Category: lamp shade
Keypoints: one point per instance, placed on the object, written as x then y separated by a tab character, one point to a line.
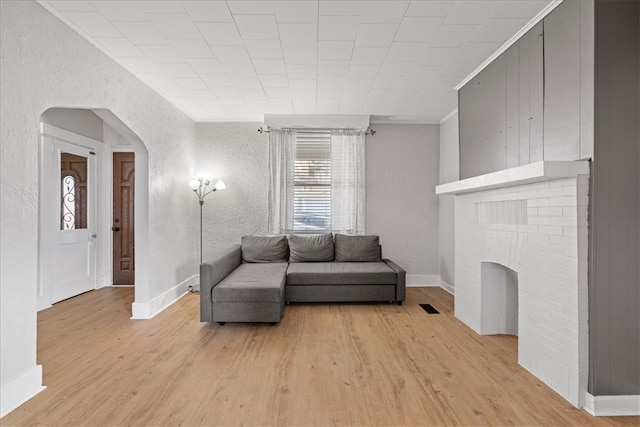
220	185
194	184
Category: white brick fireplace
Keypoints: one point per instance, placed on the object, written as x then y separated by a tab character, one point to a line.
521	265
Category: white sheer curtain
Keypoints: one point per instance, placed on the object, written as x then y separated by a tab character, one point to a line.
347	182
282	158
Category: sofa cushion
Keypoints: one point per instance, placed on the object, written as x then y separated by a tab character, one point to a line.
340	273
252	283
313	248
357	248
264	248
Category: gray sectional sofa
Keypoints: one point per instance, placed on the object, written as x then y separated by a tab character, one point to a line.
253	281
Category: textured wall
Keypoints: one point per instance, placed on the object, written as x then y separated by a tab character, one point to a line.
45	64
449	172
82	122
237	154
401	173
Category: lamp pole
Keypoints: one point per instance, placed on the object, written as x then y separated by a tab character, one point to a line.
199	186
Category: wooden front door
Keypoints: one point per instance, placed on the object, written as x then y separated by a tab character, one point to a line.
123	225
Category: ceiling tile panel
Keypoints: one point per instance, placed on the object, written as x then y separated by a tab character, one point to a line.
429	8
158	79
191	84
303	84
161	54
277	92
302	71
73	6
208	11
333	68
178	71
300	54
174	26
232	54
274	81
118	10
206	66
358	84
331	82
342	7
452	35
436	55
141	32
337	27
270	66
363	71
395	68
418	29
264	49
94	24
160	6
335	50
257	7
351	95
192	48
121	47
216	80
298	34
469	12
241	71
257	27
368	55
248	84
376	35
475	52
219	33
296	11
143	65
378	12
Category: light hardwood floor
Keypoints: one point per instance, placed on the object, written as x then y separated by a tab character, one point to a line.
334	364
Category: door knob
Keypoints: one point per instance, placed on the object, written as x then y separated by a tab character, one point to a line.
115	228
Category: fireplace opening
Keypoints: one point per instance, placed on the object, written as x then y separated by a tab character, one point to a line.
499	299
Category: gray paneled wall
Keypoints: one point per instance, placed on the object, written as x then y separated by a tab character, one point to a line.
614	279
527	105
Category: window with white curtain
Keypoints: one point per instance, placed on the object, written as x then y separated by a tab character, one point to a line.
317	181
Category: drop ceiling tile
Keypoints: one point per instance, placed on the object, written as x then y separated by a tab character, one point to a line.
257	27
120	47
220	33
161	54
304	96
303	84
386	83
216	80
160	6
418	29
118	10
192	48
258	7
224	92
368	55
208	11
351	107
341	7
72	6
328	103
376	35
331	82
458	69
424	72
378	12
298	34
274	81
264	49
519	9
302	71
330	93
241	71
358	84
191	84
297	12
270	66
395	68
406	51
94	24
351	95
498	30
469	12
231	54
174	26
300	54
453	35
437	55
475	52
157	79
142	65
277	92
141	32
333	68
206	66
248	84
335	50
383	94
429	8
177	71
363	71
337	27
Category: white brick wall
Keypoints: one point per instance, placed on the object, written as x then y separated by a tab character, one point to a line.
549	253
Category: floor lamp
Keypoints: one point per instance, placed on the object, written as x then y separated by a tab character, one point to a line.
199	186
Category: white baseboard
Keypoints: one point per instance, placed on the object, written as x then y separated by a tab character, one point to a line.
609	406
422	280
147	310
447	287
20	390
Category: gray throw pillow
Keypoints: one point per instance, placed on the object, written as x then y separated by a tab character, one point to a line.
357	248
314	248
264	248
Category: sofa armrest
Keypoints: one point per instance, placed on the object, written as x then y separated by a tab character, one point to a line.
211	274
402	280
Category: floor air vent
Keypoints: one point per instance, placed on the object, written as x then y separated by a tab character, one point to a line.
429	309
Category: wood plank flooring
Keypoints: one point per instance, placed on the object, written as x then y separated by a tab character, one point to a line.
333	364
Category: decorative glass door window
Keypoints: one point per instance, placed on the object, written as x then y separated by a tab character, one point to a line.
68	203
73	203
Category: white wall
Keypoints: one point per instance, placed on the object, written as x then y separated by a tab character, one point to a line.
401	174
449	172
82	122
237	154
45	64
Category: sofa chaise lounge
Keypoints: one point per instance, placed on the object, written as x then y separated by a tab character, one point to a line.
253	280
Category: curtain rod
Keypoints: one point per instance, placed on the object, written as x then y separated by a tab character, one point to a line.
318	130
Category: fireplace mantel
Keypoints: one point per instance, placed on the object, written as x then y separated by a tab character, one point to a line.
533	172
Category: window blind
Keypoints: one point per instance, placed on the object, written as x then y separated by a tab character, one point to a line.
312	182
